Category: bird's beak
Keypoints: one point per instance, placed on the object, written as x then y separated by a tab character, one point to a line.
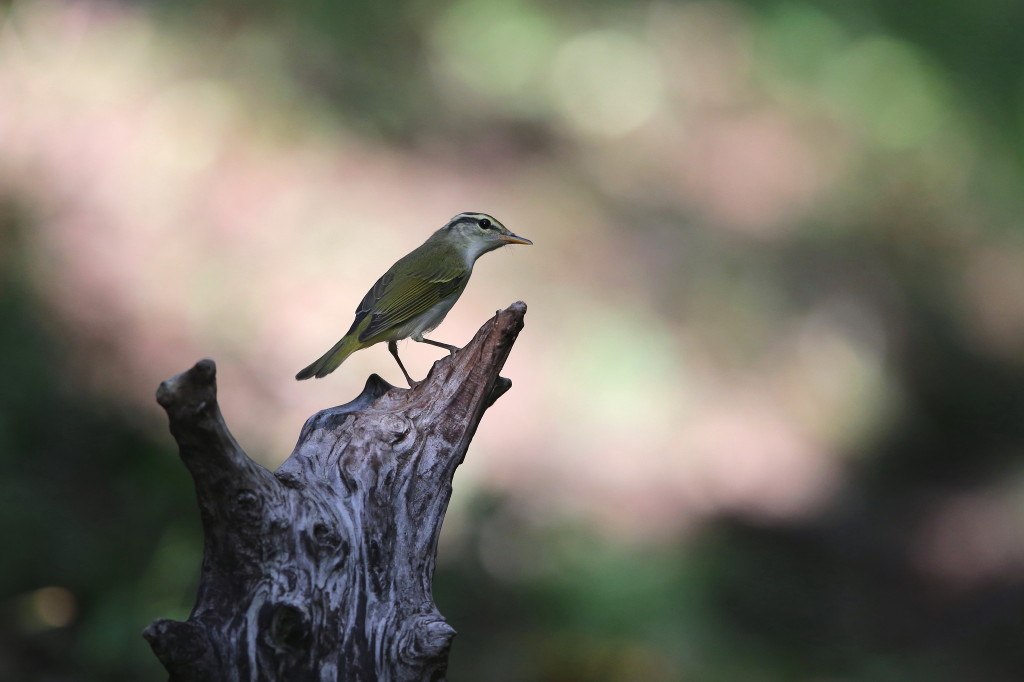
514	239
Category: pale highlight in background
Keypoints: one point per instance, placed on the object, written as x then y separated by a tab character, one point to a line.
182	213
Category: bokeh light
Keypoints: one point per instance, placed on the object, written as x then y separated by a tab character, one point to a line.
765	421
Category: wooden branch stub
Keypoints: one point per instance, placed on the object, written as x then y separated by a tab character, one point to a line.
322	569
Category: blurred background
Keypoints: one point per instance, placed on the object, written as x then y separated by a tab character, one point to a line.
767	421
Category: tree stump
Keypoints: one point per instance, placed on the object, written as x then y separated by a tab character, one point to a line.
322	569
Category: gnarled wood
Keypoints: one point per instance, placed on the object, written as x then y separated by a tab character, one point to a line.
322	569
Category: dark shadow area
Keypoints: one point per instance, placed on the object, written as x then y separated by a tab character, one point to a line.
98	524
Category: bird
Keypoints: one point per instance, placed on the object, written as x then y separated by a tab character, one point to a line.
415	294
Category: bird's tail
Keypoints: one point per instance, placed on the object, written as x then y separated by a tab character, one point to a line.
330	360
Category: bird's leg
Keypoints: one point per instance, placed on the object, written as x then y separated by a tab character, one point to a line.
393	347
451	349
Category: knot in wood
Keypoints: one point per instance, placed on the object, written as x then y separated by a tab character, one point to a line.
286	627
429	637
325	536
325	541
395	428
247	507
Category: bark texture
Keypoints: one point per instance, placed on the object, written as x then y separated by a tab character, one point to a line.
322	569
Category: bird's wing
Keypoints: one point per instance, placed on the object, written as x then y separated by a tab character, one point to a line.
391	302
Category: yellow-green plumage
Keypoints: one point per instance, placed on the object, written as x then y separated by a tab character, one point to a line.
416	293
332	359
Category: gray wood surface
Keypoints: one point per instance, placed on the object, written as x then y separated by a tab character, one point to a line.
322	569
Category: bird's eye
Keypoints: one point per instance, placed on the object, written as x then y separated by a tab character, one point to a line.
485	223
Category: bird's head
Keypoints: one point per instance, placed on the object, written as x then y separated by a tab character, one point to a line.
477	233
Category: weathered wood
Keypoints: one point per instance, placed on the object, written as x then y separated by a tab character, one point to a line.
322	569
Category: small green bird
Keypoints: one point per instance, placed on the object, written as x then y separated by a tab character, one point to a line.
416	293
